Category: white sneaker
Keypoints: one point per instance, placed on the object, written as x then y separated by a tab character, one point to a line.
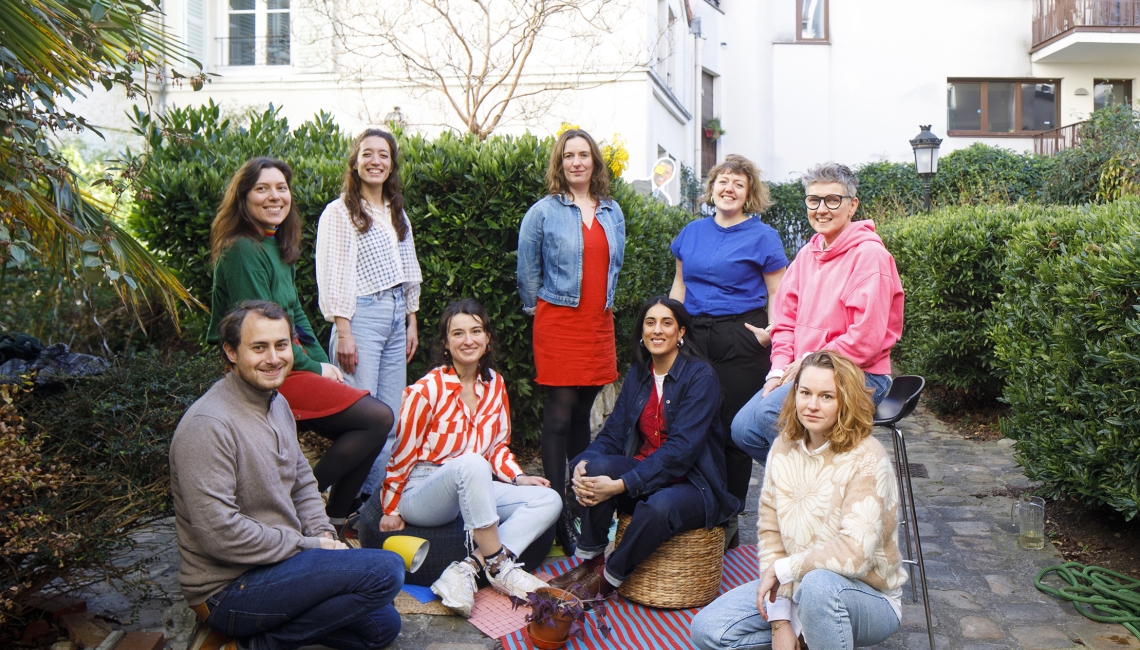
511	579
456	586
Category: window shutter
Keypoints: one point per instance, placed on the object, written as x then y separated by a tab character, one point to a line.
196	30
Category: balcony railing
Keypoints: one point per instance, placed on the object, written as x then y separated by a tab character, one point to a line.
251	50
1057	140
1051	18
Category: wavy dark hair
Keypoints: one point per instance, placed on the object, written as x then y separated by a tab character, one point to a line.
233	219
439	353
556	179
680	314
856	409
393	189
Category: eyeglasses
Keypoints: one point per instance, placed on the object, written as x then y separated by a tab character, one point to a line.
832	201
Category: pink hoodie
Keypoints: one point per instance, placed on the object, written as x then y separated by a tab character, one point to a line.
847	298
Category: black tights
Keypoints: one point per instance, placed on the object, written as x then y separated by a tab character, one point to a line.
358	434
565	429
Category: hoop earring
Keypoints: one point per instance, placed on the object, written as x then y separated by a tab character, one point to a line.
681	343
642	342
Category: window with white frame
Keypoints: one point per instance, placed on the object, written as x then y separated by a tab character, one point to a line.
257	32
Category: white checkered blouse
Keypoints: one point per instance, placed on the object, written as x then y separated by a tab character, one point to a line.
351	264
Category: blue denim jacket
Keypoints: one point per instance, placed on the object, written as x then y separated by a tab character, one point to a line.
550	251
694	435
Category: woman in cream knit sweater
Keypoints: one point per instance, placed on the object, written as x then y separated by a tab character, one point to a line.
829	557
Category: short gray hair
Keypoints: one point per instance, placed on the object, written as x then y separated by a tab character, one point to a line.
832	172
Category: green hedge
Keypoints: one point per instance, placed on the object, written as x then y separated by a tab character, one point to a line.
1067	336
977	175
950	263
465	199
1111	133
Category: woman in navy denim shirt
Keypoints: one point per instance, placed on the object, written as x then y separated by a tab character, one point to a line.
571	246
659	457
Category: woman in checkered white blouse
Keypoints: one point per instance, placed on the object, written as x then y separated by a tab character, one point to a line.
369	278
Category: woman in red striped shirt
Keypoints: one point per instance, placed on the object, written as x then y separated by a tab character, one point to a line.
454	432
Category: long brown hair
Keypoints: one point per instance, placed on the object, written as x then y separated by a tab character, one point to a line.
556	182
233	219
856	410
393	191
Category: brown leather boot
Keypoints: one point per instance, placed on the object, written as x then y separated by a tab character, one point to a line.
578	573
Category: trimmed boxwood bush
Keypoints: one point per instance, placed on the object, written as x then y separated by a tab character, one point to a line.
465	199
977	175
950	263
1067	336
1075	176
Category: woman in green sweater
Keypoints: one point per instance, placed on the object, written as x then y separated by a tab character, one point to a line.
255	241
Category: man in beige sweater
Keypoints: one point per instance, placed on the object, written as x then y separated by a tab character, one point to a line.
259	560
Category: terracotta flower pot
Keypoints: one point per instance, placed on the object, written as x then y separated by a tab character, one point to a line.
551	637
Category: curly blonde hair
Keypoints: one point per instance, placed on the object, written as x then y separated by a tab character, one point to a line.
758	199
856	409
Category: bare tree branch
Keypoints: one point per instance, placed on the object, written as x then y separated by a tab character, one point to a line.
486	60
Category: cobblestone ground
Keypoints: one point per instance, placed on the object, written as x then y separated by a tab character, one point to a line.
980	580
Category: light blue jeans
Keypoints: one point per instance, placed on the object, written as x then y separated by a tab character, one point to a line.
435	494
755	426
837	613
380	329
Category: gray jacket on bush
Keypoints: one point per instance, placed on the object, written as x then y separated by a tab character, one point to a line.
244	495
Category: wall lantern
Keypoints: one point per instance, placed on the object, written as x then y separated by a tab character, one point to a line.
395	119
925	146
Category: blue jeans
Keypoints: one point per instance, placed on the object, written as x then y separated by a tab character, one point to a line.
380	329
836	613
755	427
340	599
656	518
436	494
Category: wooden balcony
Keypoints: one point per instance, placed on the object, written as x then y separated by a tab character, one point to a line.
1052	142
1053	19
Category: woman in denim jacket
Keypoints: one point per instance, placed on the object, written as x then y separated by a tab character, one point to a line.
571	246
660	456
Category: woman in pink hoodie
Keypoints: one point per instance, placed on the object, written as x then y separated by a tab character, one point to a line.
841	292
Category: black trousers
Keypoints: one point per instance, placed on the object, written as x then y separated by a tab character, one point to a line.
741	364
655	518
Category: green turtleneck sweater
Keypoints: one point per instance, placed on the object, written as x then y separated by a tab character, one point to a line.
252	270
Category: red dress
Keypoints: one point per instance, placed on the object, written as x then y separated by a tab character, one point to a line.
574	346
313	396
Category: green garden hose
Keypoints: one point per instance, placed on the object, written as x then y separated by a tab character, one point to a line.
1114	595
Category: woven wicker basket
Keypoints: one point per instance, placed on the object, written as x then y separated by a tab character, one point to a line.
683	572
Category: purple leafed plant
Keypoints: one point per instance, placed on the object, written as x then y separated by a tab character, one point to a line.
545	606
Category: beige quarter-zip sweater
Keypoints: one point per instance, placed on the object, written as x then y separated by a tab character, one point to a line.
244	495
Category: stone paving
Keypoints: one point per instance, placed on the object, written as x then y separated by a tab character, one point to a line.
980	580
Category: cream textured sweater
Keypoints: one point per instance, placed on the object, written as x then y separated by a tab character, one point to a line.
823	510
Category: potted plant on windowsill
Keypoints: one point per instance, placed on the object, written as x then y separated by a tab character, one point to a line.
713	129
556	616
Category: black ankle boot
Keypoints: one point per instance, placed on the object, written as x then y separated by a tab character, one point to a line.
564	531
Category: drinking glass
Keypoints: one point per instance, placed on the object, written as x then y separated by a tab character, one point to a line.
1030	517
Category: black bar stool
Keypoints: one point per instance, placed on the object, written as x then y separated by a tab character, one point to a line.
901	400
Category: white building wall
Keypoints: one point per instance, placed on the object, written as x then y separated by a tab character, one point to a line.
786	105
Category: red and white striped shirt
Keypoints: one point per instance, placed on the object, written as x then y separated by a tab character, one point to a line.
436	426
